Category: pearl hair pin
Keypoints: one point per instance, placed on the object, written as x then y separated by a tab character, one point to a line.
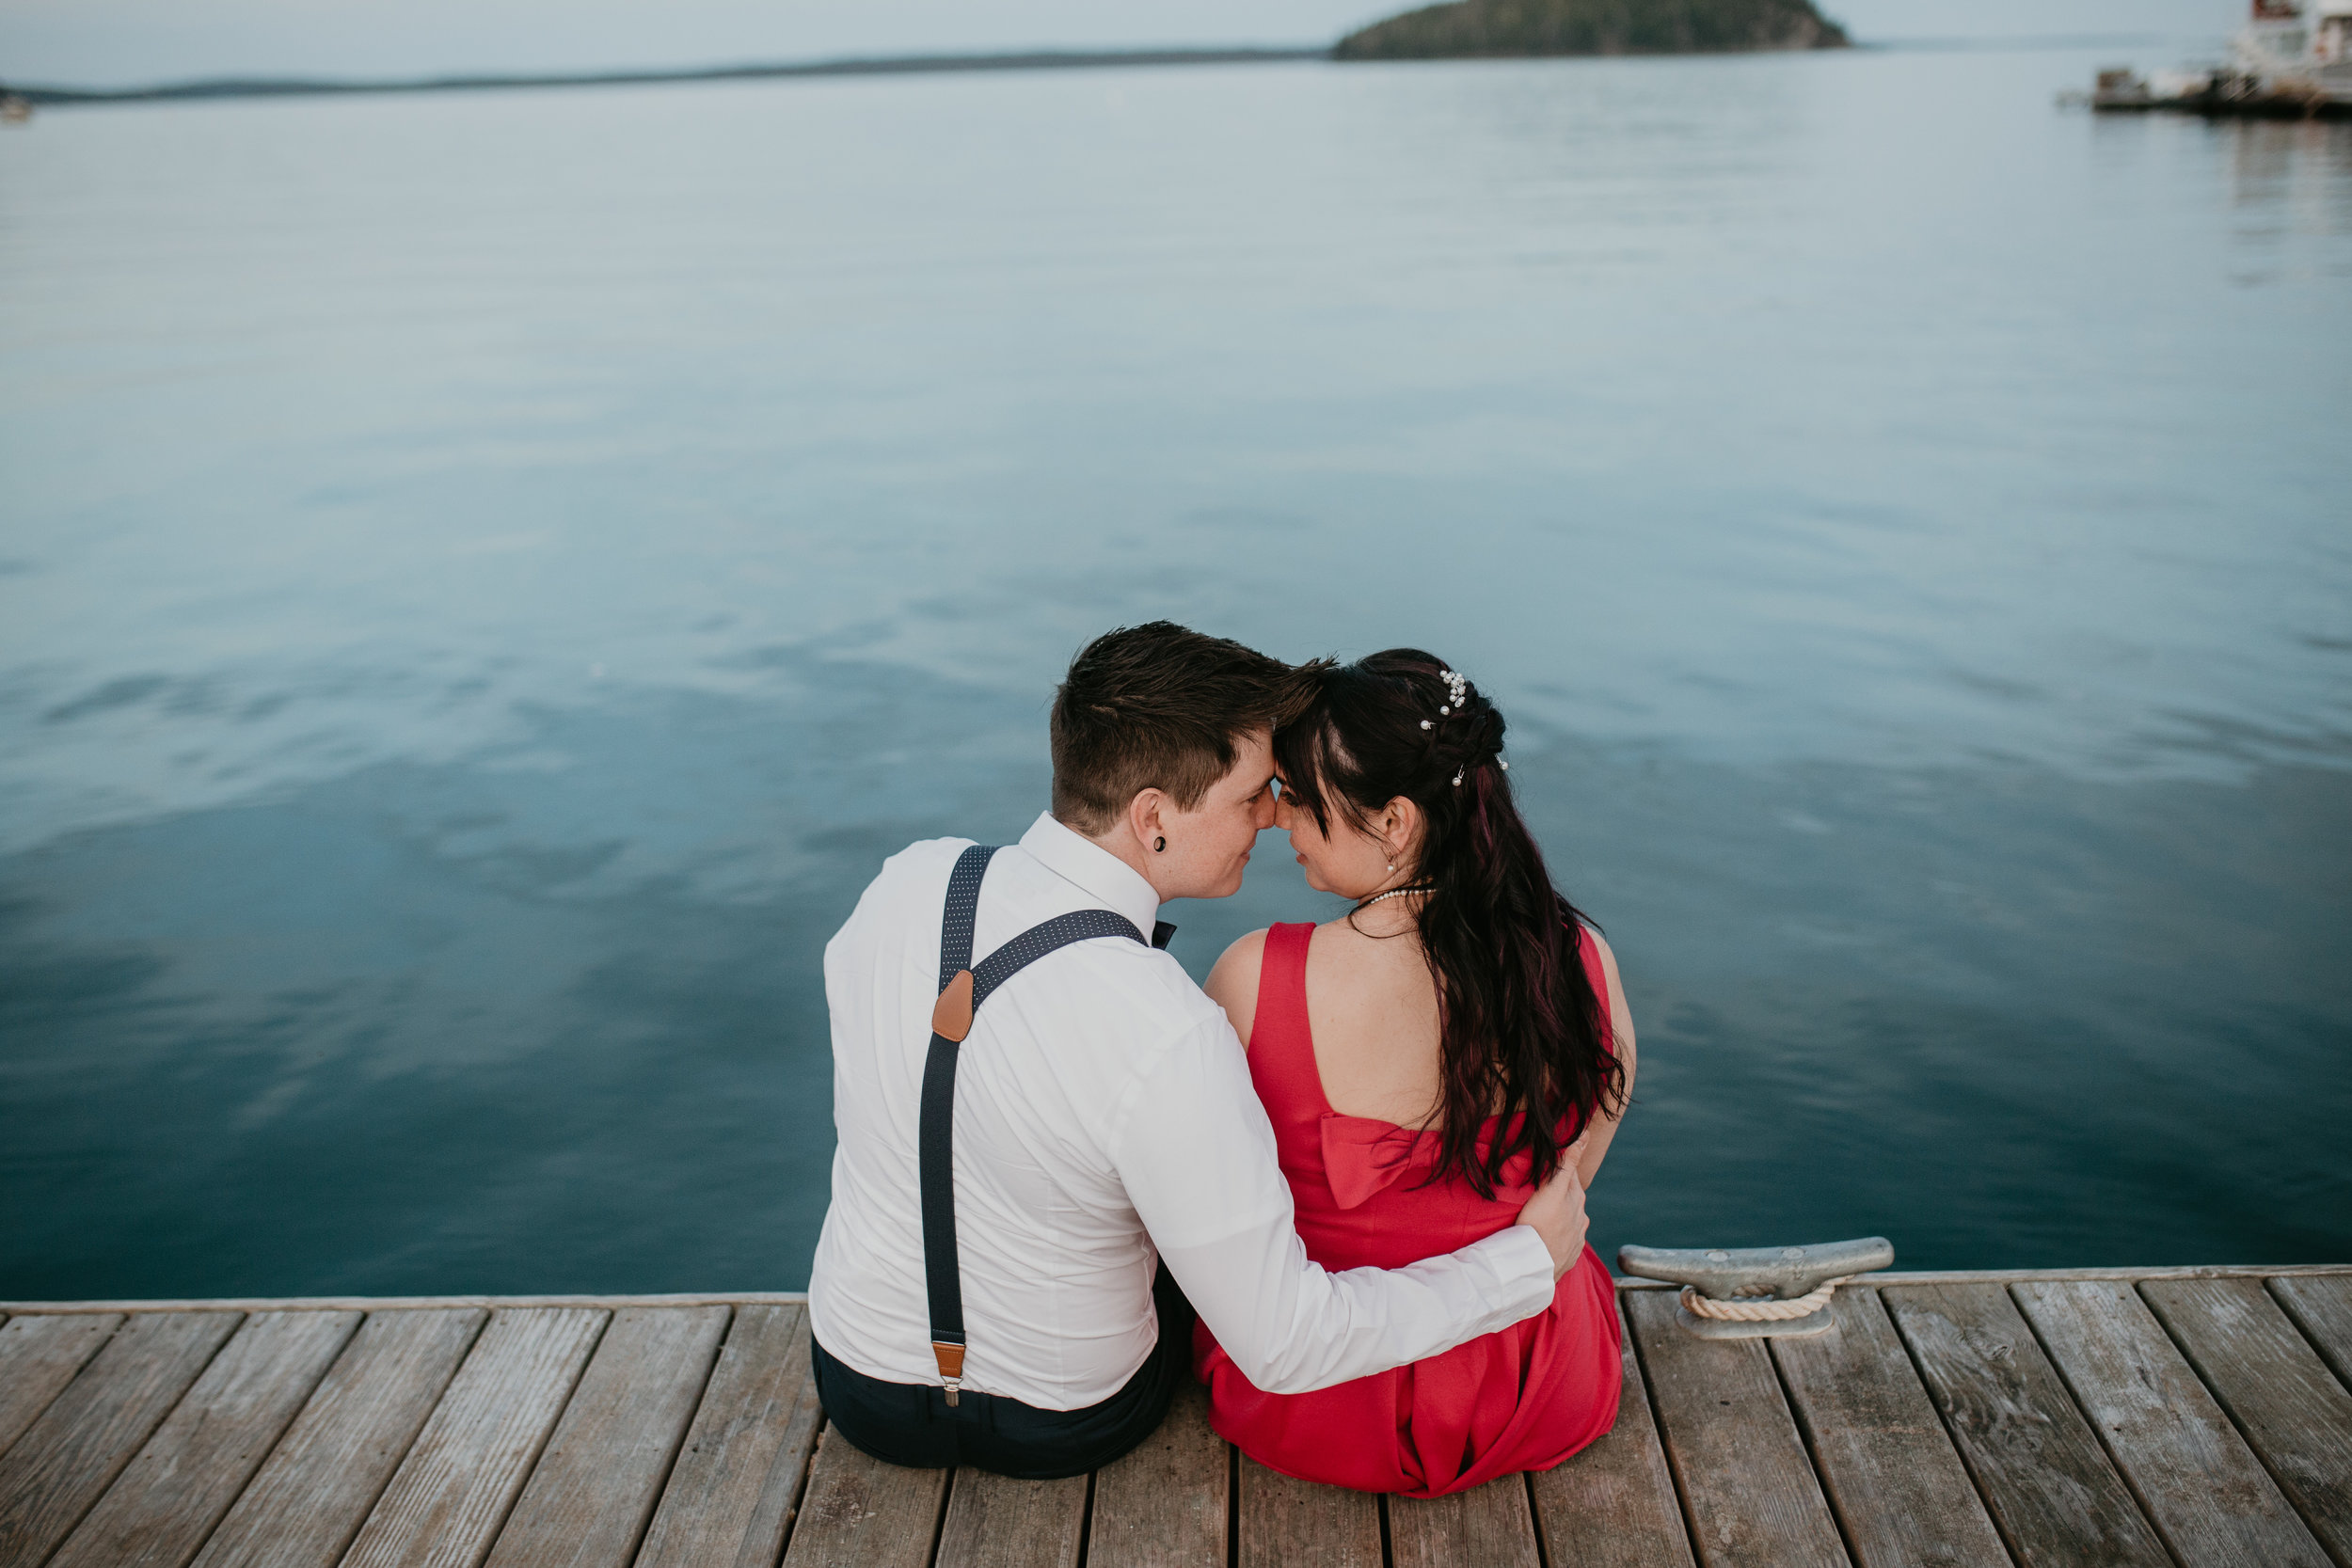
1456	701
1465	767
1456	695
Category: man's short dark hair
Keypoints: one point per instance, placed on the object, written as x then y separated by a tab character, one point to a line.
1157	706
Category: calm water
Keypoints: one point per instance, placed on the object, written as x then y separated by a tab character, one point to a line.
484	579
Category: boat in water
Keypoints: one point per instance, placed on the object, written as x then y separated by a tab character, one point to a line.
2293	59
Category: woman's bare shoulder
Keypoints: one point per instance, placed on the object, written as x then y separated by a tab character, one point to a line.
1233	982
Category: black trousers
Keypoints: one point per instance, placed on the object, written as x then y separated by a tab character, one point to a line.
911	1423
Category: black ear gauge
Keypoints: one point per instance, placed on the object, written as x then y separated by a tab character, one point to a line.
1158	845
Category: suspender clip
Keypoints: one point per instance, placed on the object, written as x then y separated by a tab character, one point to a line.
950	1359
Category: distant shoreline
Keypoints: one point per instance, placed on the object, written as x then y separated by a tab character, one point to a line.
895	65
890	65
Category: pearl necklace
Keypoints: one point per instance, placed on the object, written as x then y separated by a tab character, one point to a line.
1392	893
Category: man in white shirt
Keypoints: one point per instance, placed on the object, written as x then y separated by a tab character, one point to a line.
1102	1122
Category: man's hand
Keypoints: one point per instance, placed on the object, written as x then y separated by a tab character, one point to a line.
1557	1214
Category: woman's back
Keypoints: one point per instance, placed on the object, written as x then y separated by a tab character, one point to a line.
1343	1048
1367	1003
1372	1009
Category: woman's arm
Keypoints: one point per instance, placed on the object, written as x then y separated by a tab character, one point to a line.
1594	1141
1233	983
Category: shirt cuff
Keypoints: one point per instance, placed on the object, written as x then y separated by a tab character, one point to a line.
1522	1271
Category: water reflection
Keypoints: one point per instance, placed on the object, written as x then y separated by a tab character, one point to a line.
2303	168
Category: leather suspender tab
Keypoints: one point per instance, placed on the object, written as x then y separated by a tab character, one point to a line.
951	1016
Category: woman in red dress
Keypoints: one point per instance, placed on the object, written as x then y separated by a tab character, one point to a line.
1427	1061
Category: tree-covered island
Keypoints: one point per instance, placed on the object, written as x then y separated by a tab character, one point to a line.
1507	27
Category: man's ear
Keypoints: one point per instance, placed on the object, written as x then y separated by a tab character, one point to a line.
1146	818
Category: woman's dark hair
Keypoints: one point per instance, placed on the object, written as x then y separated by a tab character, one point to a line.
1522	1035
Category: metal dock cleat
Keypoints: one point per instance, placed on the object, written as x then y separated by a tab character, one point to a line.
1757	1292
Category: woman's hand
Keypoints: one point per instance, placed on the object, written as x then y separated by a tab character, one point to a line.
1556	1213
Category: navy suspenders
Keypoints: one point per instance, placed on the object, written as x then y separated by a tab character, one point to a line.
962	986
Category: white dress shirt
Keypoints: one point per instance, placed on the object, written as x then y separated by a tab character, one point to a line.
1102	1105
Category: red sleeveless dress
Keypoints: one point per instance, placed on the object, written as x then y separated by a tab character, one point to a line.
1523	1398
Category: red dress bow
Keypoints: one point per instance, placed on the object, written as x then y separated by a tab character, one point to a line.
1362	1155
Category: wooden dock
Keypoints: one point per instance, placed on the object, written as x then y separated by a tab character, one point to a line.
2180	1417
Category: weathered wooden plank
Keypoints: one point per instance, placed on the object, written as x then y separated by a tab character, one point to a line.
1163	1505
997	1522
596	1485
1881	1449
449	1497
861	1512
2208	1496
1614	1505
38	1356
2287	1404
2322	1309
732	1492
168	1499
312	1494
1733	1444
2038	1465
73	1450
1492	1525
1284	1520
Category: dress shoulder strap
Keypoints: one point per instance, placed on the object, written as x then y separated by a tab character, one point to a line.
1281	1040
1282	983
1588	953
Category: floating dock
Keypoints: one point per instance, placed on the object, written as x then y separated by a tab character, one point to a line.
2158	1417
2291	60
